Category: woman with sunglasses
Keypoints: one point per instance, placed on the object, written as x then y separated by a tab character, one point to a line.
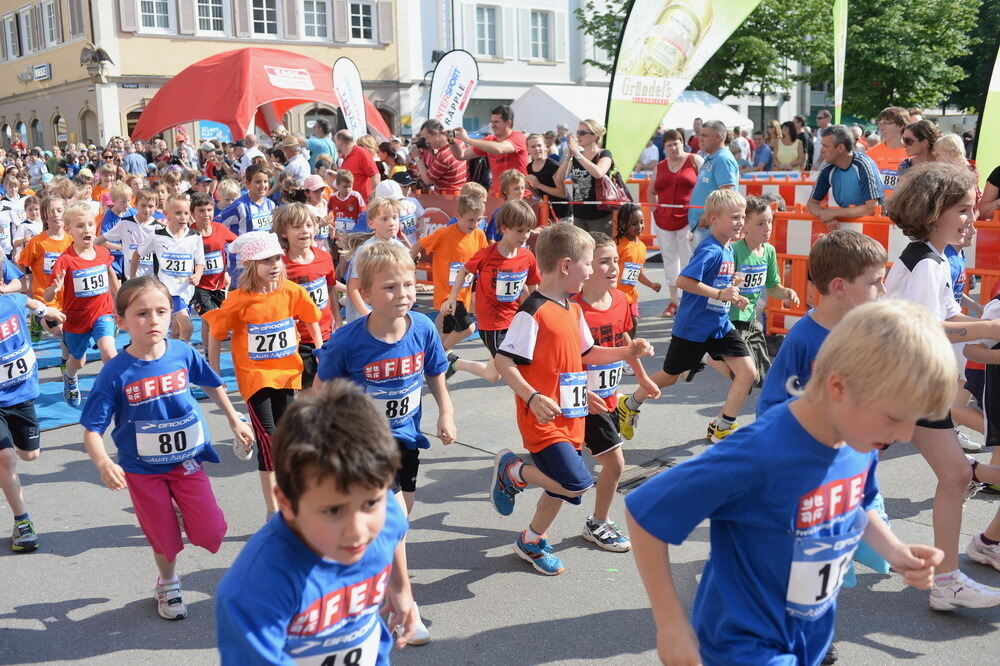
586	162
918	141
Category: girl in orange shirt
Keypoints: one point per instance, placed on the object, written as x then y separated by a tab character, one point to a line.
631	257
262	314
38	257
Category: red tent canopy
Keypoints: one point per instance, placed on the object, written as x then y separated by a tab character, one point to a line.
231	88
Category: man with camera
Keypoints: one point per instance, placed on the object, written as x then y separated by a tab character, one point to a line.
505	149
437	166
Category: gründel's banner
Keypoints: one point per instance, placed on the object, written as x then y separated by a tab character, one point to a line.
839	54
347	87
455	78
663	45
987	134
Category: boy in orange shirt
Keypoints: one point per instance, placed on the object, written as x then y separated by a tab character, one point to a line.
631	258
39	256
541	359
451	246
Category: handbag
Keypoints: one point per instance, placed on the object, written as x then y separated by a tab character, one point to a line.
611	190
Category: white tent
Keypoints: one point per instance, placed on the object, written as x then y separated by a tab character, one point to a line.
541	107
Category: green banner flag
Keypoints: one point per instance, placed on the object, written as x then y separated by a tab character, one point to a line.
987	134
663	45
839	52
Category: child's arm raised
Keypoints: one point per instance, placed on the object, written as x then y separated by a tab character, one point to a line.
635	349
644	279
55	286
730	294
112	474
50	313
447	432
915	562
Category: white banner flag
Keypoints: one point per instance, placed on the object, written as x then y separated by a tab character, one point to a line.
455	77
347	86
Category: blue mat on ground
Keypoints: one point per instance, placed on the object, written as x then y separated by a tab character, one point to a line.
52	410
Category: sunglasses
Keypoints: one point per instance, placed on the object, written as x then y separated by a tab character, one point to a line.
908	141
106	157
583	133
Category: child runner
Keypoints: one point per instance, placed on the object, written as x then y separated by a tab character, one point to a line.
18	420
541	359
961	412
346	203
87	281
38	258
631	257
308	265
178	260
226	193
121	200
383	218
933	205
160	435
215	280
702	324
412	213
390	189
513	184
250	212
608	315
261	315
28	227
336	547
769	590
132	231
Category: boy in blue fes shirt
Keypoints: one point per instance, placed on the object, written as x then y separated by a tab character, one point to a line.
702	324
309	584
789	498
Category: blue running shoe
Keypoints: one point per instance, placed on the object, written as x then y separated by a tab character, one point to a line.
502	487
71	390
540	557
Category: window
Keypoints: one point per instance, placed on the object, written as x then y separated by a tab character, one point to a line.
486	32
264	19
11	37
27	20
76	24
540	36
211	16
50	23
314	19
362	22
155	15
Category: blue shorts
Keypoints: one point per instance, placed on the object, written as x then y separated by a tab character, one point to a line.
78	343
179	304
563	463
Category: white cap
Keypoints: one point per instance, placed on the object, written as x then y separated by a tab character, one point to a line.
389	189
256	245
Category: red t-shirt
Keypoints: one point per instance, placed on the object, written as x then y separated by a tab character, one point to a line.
318	278
214	277
608	328
361	163
86	292
345	211
674	188
500	283
500	163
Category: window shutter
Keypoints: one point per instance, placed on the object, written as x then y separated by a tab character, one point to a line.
469	21
128	12
3	47
524	34
505	33
384	9
241	17
37	28
185	17
559	38
57	9
75	18
291	22
341	22
18	40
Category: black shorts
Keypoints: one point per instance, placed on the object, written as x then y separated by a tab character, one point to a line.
493	339
205	300
756	341
601	433
975	383
943	424
683	355
409	463
19	427
310	364
459	321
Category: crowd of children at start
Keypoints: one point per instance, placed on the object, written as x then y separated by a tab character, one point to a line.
334	401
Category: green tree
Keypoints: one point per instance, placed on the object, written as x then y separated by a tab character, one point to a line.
971	91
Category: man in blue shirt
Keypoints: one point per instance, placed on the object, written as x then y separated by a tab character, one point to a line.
763	156
719	172
320	143
851	179
134	163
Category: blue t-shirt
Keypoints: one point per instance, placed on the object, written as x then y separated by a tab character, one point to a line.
317	146
719	169
794	361
10	271
700	318
158	424
280	602
956	260
18	366
858	183
391	373
763	156
243	215
780	542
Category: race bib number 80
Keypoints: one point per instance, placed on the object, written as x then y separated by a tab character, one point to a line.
169	441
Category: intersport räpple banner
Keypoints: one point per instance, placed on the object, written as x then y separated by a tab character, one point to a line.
455	77
988	131
663	45
839	54
347	86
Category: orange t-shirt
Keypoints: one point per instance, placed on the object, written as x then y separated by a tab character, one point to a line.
887	160
451	249
97	192
547	340
265	343
39	256
631	257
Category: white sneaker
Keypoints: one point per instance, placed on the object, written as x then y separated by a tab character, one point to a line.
980	552
169	603
421	636
962	591
967	444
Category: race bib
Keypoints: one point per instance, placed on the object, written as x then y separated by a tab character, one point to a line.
573	394
319	292
345	224
177	264
16	366
453	269
169	441
261	221
276	339
91	281
630	273
510	285
323	231
49	261
754	276
890	177
818	568
603	379
722	280
213	263
408	224
399	405
364	653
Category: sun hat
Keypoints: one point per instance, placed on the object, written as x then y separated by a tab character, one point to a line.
256	245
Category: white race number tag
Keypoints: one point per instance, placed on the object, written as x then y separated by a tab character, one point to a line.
400	405
753	278
818	568
573	394
630	273
510	285
49	261
364	653
16	366
261	221
91	281
345	224
319	292
177	264
213	263
453	269
169	441
603	379
276	339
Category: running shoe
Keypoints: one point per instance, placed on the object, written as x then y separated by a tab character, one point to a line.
450	372
983	553
628	418
606	536
35	328
421	636
991	490
832	655
538	555
694	371
169	603
503	488
962	591
968	445
71	390
25	538
717	433
669	311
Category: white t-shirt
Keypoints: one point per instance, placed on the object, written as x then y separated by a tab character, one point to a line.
923	275
130	234
175	259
